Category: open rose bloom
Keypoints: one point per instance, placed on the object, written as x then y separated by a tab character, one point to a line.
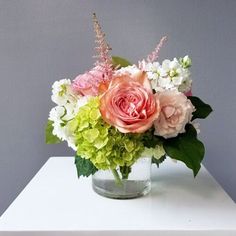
117	111
129	104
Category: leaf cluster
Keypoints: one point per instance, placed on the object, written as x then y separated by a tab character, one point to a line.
84	167
50	138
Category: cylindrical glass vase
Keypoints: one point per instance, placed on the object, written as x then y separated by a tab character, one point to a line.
109	183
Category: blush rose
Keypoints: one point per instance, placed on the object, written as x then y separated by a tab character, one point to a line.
176	112
129	103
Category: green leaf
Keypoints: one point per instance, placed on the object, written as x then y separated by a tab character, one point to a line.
151	141
186	148
158	161
84	166
50	138
120	62
202	109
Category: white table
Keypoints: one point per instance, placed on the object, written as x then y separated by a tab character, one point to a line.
56	203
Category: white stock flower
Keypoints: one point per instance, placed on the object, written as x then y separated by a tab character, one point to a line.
81	102
185	86
164	83
70	114
185	62
59	131
73	107
56	113
170	75
127	70
62	131
68	105
62	92
61	116
152	66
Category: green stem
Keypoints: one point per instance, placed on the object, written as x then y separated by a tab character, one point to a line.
125	171
116	176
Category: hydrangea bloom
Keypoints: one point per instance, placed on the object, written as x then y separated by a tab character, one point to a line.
68	106
129	70
156	152
101	143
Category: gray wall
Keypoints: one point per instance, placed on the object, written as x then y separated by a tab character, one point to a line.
43	41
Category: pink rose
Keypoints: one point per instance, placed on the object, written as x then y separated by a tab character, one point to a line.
176	112
129	103
88	83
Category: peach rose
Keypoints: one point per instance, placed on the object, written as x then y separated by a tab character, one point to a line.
129	103
89	82
176	112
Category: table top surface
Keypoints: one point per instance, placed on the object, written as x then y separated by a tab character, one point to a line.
56	200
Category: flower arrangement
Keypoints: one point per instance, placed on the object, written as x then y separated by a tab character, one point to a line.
118	112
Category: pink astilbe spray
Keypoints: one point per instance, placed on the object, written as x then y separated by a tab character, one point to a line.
154	55
104	60
95	81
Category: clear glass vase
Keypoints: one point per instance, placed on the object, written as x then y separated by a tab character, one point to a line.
109	183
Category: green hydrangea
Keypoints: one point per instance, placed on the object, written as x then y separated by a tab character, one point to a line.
156	152
101	143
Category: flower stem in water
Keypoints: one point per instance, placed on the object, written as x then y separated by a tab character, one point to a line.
117	177
125	171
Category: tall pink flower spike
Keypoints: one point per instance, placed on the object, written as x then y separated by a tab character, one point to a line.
154	55
104	60
96	80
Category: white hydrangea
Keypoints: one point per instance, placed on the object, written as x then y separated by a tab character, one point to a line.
59	131
62	92
81	102
61	115
170	75
71	111
156	152
56	113
71	143
127	70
